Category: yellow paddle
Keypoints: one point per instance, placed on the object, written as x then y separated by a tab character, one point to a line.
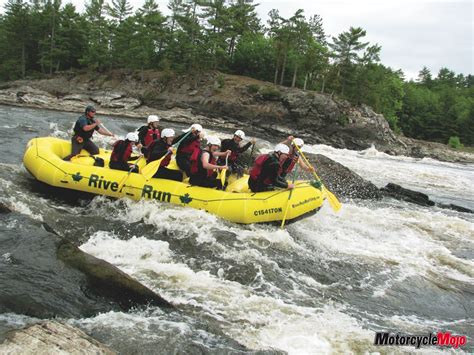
151	168
333	201
289	198
223	171
122	182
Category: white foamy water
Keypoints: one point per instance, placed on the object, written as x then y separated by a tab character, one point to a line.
444	182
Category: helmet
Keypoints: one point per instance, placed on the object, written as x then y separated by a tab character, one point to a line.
197	127
282	148
239	133
298	141
153	118
132	137
213	141
90	108
167	133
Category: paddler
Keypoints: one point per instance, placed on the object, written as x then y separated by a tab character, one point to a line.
189	148
149	133
265	173
233	144
122	151
202	170
83	130
162	148
294	157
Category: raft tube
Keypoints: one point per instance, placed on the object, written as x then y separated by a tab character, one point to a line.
44	160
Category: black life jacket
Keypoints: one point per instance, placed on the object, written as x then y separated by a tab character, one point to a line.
78	131
160	145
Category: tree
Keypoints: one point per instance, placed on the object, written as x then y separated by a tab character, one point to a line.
346	47
119	10
96	55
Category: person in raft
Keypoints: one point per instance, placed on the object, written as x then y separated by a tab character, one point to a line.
121	154
202	170
294	157
162	148
189	147
83	130
233	144
265	172
149	133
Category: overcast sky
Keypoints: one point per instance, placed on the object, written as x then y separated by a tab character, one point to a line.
412	33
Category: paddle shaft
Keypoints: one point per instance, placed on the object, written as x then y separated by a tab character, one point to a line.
289	198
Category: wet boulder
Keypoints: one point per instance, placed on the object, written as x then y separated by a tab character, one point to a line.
51	337
342	181
403	194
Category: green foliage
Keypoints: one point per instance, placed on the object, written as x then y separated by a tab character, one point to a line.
270	93
39	38
454	142
253	88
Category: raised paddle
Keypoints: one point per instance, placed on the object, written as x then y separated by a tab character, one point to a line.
289	198
333	201
151	168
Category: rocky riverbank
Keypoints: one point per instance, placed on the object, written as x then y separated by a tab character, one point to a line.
228	101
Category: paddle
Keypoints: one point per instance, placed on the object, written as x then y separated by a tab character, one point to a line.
251	154
289	198
223	171
122	182
150	169
333	201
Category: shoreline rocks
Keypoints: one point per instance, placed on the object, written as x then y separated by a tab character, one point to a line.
51	337
228	101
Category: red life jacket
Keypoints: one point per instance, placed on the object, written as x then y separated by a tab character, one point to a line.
233	156
196	166
292	159
151	135
257	167
122	151
193	148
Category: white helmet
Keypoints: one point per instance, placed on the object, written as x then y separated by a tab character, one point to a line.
197	127
298	141
153	118
167	133
132	137
213	141
239	133
282	148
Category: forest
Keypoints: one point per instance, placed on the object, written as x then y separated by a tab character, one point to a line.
43	37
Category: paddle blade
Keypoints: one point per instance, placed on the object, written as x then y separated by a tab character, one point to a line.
333	201
223	174
150	169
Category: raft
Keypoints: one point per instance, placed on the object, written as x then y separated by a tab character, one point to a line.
44	160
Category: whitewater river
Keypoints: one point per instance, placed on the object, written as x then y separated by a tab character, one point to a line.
324	285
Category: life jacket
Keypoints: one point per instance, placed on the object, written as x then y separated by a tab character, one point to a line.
122	151
151	134
78	131
290	163
198	169
233	156
193	148
164	146
257	168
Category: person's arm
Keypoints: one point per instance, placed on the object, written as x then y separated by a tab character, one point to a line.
245	147
221	154
208	166
105	132
277	180
304	166
288	140
88	127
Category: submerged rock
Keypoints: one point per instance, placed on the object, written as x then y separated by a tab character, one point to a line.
108	280
400	193
51	337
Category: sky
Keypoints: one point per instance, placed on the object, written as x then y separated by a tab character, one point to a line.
412	33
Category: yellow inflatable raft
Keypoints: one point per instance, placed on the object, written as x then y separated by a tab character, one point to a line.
43	159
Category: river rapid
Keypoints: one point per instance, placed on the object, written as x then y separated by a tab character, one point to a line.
323	285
